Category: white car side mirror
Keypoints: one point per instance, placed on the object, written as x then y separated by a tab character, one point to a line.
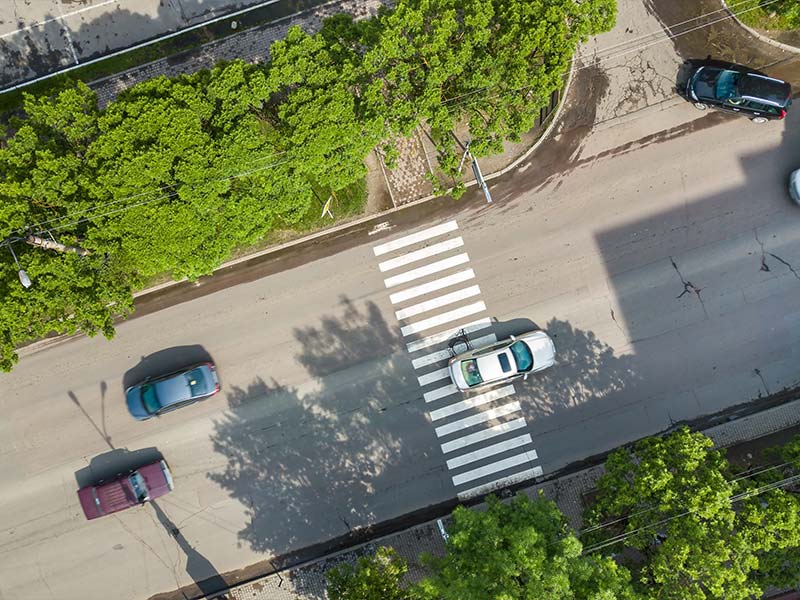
525	376
512	338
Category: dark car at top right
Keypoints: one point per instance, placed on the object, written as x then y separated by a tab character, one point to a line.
740	90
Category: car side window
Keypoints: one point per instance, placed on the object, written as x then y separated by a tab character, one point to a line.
760	107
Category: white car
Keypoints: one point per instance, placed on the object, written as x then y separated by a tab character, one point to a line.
518	356
794	186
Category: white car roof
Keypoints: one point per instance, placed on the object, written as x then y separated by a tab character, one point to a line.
490	368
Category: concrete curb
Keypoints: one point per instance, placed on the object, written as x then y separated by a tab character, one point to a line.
39	345
760	36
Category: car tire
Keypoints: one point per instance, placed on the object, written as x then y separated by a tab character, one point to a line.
700	106
759	120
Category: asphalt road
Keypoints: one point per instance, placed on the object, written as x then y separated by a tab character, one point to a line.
667	273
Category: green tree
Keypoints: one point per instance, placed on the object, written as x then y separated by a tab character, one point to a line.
315	112
688	528
492	65
375	577
520	550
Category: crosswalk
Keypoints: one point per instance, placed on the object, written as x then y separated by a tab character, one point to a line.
432	288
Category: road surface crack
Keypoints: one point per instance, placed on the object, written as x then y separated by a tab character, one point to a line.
614	317
764	254
688	287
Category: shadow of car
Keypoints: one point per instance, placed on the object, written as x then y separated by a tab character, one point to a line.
502	362
157	395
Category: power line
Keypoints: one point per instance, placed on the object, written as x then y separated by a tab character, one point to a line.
39	227
602	59
731	499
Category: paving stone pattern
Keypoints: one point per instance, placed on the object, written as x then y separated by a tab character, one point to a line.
308	582
251	45
408	178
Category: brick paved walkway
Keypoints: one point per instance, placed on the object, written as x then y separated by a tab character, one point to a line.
308	582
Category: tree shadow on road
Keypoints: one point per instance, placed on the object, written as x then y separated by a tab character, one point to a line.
322	463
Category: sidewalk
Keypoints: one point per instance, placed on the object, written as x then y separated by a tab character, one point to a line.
742	437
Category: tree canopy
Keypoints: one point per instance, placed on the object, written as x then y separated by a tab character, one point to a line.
673	510
519	550
175	175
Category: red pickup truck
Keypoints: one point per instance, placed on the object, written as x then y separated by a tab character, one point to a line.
134	488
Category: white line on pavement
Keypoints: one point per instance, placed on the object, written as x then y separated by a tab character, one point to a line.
441	392
496	467
446	317
440	265
411	257
414	238
436	375
438	302
501	483
487	415
483	434
431	286
443	336
504	446
472	402
440	355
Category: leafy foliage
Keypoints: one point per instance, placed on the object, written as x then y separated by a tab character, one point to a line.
692	531
375	577
521	550
176	174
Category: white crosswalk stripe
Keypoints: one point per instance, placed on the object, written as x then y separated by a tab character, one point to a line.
440	355
441	319
483	417
420	272
487	451
471	402
450	298
483	434
415	238
501	483
486	431
433	376
500	465
417	255
432	286
439	393
444	336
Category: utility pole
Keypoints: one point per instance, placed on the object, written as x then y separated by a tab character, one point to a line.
481	181
477	171
40	242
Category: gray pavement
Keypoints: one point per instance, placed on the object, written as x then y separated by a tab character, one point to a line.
45	36
308	582
653	283
324	426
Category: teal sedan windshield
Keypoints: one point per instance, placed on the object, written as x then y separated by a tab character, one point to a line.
522	354
149	399
469	368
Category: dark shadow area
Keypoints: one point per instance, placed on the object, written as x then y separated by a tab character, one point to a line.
110	465
198	567
505	329
100	429
165	361
322	468
707	290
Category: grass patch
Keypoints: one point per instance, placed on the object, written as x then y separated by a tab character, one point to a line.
774	16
